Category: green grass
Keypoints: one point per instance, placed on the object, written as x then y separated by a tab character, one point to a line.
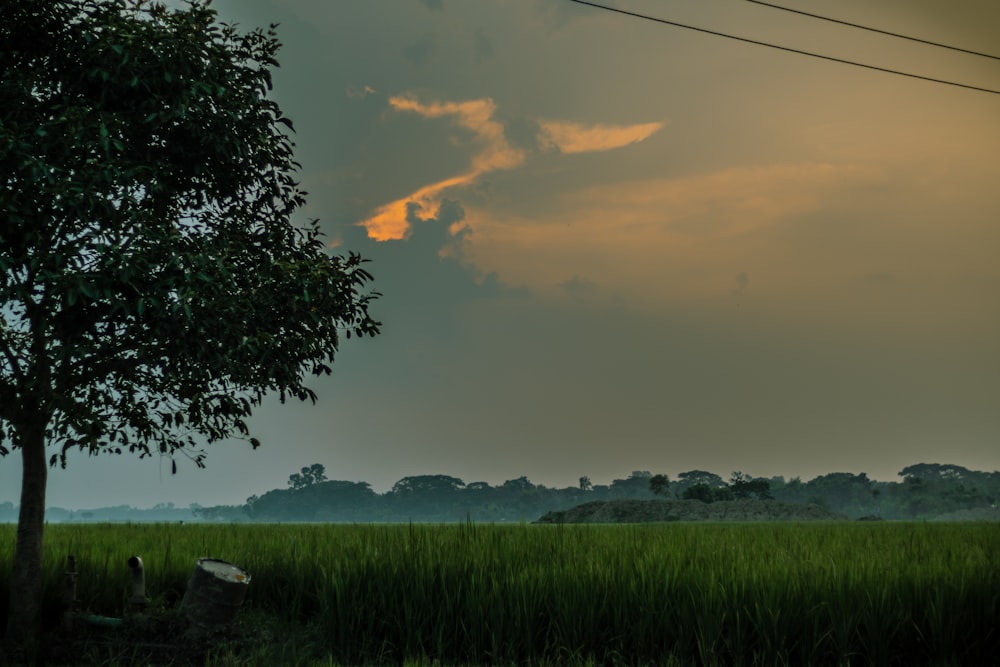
705	594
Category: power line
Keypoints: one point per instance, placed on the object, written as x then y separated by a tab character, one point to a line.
786	48
881	32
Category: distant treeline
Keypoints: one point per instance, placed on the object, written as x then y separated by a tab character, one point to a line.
926	491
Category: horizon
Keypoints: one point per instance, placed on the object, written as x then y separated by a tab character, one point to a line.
673	478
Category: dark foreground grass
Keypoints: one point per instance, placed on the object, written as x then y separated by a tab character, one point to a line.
668	594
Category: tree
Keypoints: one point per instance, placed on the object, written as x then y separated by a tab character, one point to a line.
745	487
842	492
153	288
586	484
934	471
306	477
478	486
707	494
521	483
427	484
694	477
659	484
699	491
635	486
324	500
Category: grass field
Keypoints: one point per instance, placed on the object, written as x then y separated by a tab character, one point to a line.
679	594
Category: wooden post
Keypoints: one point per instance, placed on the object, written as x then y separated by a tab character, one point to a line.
69	593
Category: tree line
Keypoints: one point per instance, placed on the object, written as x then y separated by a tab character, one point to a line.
926	490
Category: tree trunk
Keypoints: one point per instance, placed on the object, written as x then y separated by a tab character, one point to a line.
25	609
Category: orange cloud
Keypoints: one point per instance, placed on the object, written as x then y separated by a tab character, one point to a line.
477	117
578	138
668	240
389	222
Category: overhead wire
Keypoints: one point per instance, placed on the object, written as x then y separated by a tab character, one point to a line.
878	30
786	48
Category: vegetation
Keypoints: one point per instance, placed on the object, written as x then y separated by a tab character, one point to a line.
927	491
684	594
961	495
152	285
644	511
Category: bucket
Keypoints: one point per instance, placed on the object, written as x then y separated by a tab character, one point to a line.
214	594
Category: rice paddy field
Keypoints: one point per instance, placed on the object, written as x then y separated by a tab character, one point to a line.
650	594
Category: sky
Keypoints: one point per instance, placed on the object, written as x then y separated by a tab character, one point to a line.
608	244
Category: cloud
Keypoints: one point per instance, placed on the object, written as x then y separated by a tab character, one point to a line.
674	240
579	138
477	117
645	243
492	152
390	221
360	92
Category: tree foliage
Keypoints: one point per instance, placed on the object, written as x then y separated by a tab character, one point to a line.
636	485
693	477
308	476
660	484
427	484
934	471
707	494
153	286
441	498
745	487
151	283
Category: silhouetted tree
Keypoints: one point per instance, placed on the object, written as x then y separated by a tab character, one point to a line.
934	471
659	484
635	486
521	483
842	492
313	474
746	487
706	493
478	486
427	484
693	477
153	288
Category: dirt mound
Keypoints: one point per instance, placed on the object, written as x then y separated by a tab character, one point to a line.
641	511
